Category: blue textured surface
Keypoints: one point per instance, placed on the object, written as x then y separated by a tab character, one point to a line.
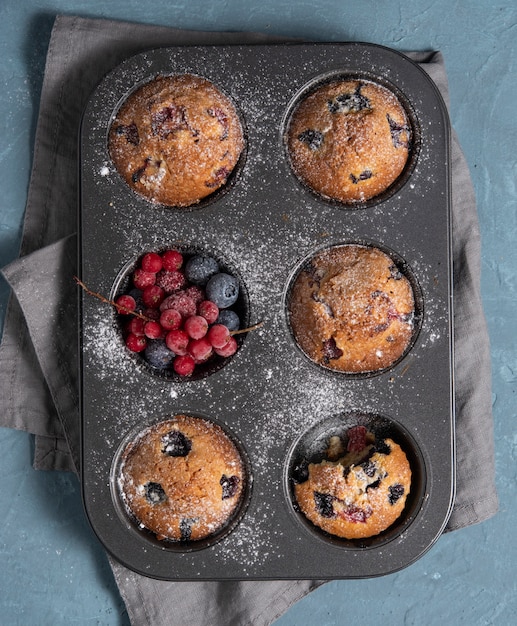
52	569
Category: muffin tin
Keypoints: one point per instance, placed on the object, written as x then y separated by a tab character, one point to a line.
269	396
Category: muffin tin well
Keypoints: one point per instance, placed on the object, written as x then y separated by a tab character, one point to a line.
409	131
399	268
123	285
311	447
273	400
126	514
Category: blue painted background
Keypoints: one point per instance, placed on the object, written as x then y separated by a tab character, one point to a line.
52	570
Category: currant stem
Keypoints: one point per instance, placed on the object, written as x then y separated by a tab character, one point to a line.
246	330
111	302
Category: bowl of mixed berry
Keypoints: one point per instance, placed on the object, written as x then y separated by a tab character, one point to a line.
182	314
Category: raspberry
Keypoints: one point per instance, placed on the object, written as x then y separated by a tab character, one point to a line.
396	492
229	348
200	349
196	293
172	260
170	281
177	340
136	343
151	262
125	304
195	326
170	319
152	296
209	310
153	330
218	336
184	365
353	513
136	326
356	438
181	302
143	279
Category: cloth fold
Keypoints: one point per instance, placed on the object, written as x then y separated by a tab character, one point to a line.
38	354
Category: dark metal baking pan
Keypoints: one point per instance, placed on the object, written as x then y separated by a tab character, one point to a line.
269	395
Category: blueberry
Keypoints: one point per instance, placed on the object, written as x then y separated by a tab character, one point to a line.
395	273
382	447
200	268
324	504
230	319
301	472
230	484
223	290
186	528
396	131
175	443
369	468
396	492
137	295
313	138
375	485
219	177
365	175
154	493
158	355
349	102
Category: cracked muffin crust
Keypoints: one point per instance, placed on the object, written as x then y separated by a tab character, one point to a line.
182	479
349	140
352	310
176	139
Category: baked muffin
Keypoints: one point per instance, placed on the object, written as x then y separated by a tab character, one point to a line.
360	494
349	140
176	139
182	479
352	310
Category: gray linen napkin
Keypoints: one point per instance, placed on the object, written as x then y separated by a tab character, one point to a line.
38	366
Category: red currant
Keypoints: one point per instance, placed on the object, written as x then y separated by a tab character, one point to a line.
229	348
135	326
195	326
200	349
151	262
153	330
209	310
184	365
177	340
218	335
170	319
153	296
172	260
125	304
136	343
